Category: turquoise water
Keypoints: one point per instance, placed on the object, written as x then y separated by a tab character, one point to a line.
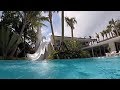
94	68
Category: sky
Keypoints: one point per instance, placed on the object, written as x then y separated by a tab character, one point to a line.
88	23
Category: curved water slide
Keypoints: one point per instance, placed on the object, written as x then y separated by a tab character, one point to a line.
40	53
41	47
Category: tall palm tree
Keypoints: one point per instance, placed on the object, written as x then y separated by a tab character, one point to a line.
118	26
102	34
90	37
33	17
109	27
113	24
62	21
63	45
105	33
50	14
115	32
71	22
108	32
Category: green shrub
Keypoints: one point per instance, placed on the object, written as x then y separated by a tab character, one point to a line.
84	54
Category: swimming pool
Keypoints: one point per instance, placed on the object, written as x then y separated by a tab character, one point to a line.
90	68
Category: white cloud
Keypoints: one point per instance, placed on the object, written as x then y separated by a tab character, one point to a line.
89	22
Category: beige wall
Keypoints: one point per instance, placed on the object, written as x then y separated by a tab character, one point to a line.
112	46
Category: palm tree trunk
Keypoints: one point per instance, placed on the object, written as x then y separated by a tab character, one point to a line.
52	33
109	35
72	33
62	40
62	26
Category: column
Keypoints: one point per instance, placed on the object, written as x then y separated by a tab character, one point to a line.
100	51
92	52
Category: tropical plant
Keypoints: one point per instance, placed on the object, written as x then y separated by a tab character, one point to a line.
90	37
71	22
50	14
113	24
73	46
102	34
7	41
84	54
105	33
62	39
115	32
33	18
109	27
97	36
118	26
108	30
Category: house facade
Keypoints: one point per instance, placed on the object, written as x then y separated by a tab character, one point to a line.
84	41
105	46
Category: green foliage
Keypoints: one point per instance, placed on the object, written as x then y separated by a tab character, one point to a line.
50	57
14	21
7	41
70	22
84	54
73	45
71	54
54	55
21	23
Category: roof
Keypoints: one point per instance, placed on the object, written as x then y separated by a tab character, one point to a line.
116	39
82	39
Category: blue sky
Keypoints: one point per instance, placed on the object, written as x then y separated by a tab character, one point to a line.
46	31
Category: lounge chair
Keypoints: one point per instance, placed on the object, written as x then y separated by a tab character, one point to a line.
119	53
113	53
108	54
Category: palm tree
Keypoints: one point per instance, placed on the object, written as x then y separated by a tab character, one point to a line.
50	14
118	26
62	45
113	24
102	34
105	33
97	36
62	21
90	37
108	30
71	22
33	17
109	27
115	32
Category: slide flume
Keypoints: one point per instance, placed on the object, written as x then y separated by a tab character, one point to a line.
39	54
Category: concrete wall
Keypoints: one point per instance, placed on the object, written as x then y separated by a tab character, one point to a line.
112	46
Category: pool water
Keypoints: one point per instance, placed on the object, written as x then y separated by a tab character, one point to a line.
90	68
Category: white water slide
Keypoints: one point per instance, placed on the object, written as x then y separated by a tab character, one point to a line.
39	54
42	47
